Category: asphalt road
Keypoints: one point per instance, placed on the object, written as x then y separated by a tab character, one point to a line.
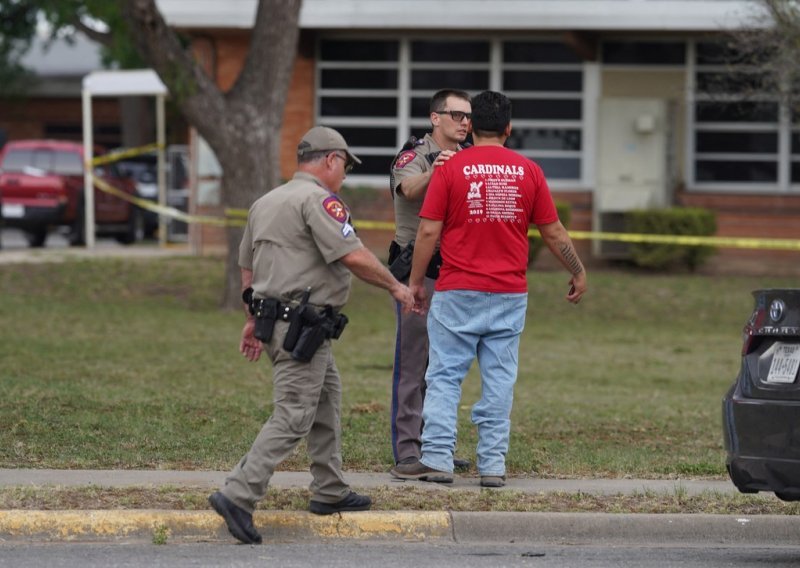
14	239
365	555
14	248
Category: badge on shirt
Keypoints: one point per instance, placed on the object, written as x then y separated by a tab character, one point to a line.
335	208
347	230
405	158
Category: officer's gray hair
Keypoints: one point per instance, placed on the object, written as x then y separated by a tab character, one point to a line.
308	157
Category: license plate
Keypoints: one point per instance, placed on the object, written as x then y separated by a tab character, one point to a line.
13	211
785	363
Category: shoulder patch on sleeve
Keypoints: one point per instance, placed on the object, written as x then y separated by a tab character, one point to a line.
335	208
405	158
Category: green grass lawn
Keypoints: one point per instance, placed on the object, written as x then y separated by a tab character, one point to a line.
130	364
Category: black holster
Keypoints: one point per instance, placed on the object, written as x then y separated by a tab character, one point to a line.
314	330
265	312
302	316
400	261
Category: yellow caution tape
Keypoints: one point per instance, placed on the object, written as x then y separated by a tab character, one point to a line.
166	211
236	217
689	240
685	240
240	213
122	154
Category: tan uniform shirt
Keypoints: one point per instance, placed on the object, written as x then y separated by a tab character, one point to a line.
406	211
294	238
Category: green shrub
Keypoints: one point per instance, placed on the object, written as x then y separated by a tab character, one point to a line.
536	243
674	221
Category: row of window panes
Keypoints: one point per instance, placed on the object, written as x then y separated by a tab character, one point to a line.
614	52
446	51
376	107
711	81
745	171
340	83
742	171
727	82
431	79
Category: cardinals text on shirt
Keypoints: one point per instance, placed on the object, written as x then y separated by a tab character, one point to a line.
493	169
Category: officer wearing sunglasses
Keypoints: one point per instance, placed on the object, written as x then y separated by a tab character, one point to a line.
411	170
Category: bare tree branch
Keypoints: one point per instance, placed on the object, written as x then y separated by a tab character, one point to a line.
103	38
196	94
763	59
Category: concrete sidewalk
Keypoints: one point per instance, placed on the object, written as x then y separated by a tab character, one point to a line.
282	526
213	479
102	250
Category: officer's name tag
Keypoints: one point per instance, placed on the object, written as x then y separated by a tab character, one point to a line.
347	229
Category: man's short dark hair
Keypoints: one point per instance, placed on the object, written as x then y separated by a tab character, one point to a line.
491	113
439	98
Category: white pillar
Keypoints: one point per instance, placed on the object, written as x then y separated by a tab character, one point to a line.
162	170
88	156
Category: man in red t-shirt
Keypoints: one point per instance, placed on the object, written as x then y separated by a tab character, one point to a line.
480	203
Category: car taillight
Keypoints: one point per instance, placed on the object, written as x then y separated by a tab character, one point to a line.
747	340
749	331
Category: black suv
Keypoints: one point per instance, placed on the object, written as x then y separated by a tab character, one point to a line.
761	411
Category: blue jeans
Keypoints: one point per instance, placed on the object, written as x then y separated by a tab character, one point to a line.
463	324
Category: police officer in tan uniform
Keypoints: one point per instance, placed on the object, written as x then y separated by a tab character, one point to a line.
298	250
410	173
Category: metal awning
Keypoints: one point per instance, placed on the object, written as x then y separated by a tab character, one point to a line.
497	15
128	83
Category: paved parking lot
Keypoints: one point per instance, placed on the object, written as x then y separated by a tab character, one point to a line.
14	248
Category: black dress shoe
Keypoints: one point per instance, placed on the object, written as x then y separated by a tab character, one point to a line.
239	521
353	502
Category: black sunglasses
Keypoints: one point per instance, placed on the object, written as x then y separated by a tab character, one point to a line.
456	115
348	163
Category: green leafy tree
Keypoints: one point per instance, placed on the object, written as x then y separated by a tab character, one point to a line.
21	20
242	125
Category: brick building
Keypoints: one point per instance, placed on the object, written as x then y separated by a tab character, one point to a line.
609	96
51	107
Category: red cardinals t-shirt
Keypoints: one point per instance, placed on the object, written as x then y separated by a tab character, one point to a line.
486	198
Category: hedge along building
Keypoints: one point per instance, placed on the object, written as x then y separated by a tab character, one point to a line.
608	97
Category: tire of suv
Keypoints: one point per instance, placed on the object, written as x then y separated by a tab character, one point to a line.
134	230
36	238
785	496
77	231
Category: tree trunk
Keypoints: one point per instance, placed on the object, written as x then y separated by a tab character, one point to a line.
243	126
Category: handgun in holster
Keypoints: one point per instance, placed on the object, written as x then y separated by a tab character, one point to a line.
297	321
313	334
327	325
400	260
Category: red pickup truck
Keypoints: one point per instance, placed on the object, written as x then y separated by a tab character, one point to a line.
41	187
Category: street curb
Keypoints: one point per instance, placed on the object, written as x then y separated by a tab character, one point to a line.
627	528
468	527
206	525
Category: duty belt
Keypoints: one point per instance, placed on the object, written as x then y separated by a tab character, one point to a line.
282	312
